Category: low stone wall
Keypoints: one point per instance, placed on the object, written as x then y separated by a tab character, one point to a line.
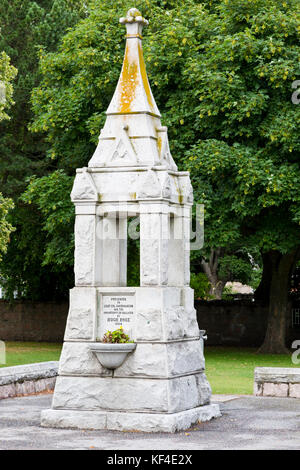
28	321
27	379
229	323
237	323
277	382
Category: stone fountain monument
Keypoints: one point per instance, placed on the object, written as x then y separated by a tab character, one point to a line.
161	386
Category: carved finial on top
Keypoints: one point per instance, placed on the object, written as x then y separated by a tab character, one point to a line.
134	22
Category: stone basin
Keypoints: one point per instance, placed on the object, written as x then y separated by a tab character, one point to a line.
112	355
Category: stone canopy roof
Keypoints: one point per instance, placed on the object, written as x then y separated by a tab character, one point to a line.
133	134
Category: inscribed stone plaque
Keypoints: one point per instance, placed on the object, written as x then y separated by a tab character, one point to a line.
117	310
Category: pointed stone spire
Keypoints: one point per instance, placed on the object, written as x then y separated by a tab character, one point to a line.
133	134
133	93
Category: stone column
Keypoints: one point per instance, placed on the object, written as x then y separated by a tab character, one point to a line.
186	245
179	249
100	248
85	264
112	246
154	242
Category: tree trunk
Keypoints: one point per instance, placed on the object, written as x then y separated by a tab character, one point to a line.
217	289
210	268
281	267
262	293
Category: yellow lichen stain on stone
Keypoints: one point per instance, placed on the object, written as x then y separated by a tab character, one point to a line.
128	83
180	195
145	78
132	195
159	144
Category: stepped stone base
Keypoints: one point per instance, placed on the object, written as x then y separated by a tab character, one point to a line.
124	421
161	386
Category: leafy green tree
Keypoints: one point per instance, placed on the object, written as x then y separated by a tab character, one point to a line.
201	286
50	220
222	75
7	74
247	157
48	195
233	262
27	26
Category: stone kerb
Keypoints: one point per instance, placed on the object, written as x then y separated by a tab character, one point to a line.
28	379
277	382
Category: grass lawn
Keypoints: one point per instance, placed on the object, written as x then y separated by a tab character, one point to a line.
231	370
26	353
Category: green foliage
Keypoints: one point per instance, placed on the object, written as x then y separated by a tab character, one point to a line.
245	164
7	74
201	286
227	293
25	27
133	262
255	278
221	73
45	273
5	227
234	268
48	194
23	268
222	80
116	336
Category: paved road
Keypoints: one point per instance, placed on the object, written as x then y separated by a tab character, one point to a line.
247	423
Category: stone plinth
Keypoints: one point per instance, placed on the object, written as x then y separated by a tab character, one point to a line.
164	377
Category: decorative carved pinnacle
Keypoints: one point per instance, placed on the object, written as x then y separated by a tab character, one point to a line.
134	16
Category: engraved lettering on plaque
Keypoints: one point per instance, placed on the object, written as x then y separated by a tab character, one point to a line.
117	310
